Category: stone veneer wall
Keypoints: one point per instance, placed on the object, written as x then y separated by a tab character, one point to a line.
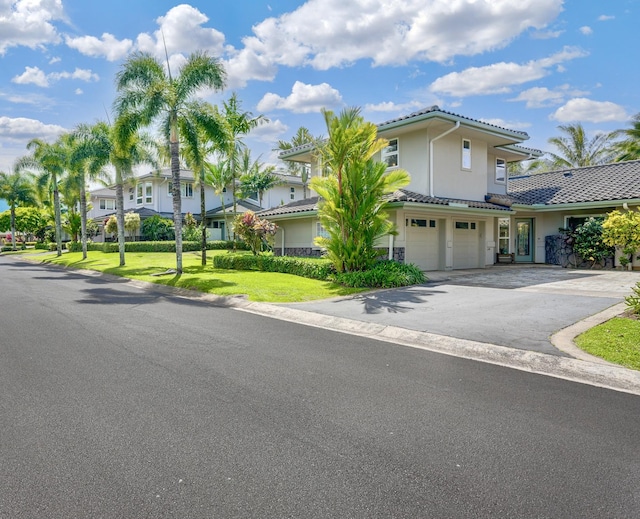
558	252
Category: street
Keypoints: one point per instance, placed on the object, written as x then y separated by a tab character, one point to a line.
121	402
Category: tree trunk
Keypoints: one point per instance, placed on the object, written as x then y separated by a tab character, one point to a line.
203	210
13	227
83	219
57	216
120	214
177	199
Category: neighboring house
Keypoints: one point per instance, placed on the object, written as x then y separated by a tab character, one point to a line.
150	194
461	210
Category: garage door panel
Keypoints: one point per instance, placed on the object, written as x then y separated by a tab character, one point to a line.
466	245
423	243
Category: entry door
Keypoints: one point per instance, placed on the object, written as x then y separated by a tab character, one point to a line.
524	240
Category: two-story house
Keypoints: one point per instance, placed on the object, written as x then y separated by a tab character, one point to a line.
444	217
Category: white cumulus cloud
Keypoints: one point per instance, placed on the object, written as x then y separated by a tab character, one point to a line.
586	110
108	46
29	23
303	99
269	132
35	76
21	129
586	30
539	97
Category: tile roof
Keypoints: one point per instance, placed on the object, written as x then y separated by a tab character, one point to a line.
616	181
402	195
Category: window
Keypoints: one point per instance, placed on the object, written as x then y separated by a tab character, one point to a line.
131	194
501	170
462	225
107	204
139	194
466	154
390	154
418	222
292	193
148	193
321	231
503	235
186	189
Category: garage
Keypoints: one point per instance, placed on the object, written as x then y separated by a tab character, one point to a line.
423	243
466	245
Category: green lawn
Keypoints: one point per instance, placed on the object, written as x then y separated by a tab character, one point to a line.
257	286
617	341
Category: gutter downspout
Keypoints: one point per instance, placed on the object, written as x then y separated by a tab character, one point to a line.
390	247
282	229
456	126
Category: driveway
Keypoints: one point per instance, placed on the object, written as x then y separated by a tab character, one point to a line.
513	306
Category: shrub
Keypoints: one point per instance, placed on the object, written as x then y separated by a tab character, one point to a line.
384	274
258	233
314	269
586	241
162	246
156	228
41	245
633	301
74	246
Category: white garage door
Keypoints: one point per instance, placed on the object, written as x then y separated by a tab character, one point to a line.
466	245
423	244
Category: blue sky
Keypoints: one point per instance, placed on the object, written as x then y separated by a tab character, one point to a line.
529	65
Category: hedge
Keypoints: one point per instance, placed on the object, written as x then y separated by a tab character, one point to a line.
317	269
158	246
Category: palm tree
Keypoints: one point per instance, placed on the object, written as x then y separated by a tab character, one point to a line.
629	148
147	90
201	132
576	150
256	178
50	160
239	123
219	176
299	169
17	190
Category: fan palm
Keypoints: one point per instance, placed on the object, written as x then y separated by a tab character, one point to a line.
147	90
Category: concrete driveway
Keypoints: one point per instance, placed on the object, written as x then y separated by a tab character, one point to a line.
513	306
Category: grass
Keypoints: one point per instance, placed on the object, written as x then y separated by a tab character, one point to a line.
617	341
153	266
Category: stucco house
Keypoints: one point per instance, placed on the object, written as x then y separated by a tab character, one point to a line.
461	210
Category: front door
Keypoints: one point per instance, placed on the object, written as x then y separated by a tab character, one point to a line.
524	240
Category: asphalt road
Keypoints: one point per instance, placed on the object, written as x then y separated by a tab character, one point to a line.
126	403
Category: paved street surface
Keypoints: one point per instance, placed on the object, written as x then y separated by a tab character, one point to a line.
518	307
124	403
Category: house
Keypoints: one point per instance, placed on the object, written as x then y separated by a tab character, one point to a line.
461	210
149	194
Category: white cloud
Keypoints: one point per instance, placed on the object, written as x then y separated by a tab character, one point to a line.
79	91
511	125
107	46
303	99
605	17
55	59
539	97
28	23
390	106
21	129
35	76
269	132
391	33
586	30
546	35
586	110
500	77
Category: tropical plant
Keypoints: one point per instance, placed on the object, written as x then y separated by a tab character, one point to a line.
17	190
622	230
147	90
257	178
191	231
576	150
239	123
587	242
219	176
257	233
111	225
30	221
202	132
351	208
50	161
131	222
156	228
629	147
300	169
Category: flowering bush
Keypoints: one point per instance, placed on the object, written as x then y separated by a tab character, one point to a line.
256	232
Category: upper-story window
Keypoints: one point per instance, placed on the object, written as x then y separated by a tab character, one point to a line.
131	194
107	204
186	189
139	194
501	170
144	191
390	154
466	154
292	193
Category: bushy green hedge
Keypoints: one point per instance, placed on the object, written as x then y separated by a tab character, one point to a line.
384	274
41	245
316	269
163	246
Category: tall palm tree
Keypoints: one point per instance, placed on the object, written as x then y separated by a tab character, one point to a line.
202	132
148	90
576	150
219	176
17	190
239	123
299	169
629	148
50	161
